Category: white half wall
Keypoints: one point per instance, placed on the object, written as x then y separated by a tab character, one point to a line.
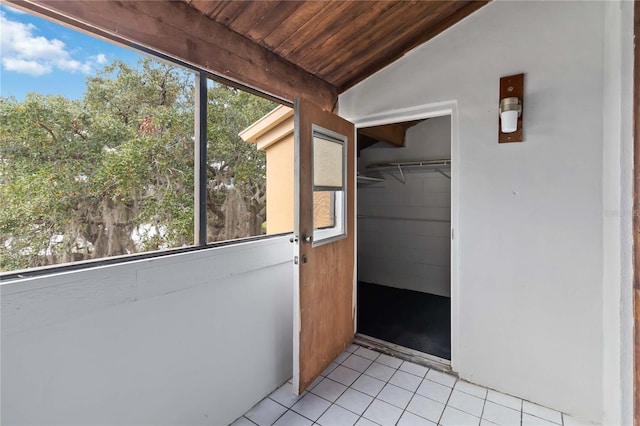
404	228
530	237
191	339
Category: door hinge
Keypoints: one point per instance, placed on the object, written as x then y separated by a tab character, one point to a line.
452	233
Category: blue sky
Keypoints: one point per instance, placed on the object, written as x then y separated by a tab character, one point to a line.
44	57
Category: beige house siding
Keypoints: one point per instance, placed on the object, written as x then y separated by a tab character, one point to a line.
280	186
274	134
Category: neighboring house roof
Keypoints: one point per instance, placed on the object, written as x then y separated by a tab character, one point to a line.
270	129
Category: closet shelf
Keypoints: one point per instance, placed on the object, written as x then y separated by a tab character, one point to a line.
435	165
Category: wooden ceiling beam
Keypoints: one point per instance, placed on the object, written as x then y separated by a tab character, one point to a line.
182	32
389	133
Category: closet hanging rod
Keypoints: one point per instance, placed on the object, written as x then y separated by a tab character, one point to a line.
435	165
412	164
413	219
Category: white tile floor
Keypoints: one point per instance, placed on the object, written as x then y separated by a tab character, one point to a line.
362	387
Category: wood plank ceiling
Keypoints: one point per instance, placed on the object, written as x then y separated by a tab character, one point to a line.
341	42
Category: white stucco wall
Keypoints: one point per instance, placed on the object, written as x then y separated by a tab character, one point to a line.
193	338
531	228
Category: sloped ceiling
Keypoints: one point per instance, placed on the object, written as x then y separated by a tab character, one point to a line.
342	42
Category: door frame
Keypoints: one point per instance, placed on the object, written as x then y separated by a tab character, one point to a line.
635	237
420	112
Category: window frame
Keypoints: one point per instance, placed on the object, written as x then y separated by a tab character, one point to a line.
337	232
200	157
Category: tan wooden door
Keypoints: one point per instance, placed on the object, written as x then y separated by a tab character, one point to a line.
324	255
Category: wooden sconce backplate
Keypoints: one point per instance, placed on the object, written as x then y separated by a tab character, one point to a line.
512	85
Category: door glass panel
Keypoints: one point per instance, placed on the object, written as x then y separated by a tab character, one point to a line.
327	163
329	169
324	206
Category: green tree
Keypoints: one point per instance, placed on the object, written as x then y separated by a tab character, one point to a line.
112	174
236	174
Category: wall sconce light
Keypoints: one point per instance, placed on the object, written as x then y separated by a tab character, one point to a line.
510	110
511	100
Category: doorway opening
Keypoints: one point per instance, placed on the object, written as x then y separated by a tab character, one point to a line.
405	235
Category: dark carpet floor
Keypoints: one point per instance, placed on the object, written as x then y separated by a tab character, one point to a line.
407	318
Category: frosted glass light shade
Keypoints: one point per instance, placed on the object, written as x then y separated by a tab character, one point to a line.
328	163
509	121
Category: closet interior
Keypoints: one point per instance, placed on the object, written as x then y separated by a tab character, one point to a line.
404	235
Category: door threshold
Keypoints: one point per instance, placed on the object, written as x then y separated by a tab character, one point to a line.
404	353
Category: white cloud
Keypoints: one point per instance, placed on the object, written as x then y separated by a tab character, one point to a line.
73	66
101	59
25	67
24	51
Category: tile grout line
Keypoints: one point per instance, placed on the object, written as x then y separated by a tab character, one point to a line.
349	387
387	382
374	398
484	404
542	418
404	410
447	403
502	405
305	393
416	393
249	420
337	398
413	393
313	422
285	411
